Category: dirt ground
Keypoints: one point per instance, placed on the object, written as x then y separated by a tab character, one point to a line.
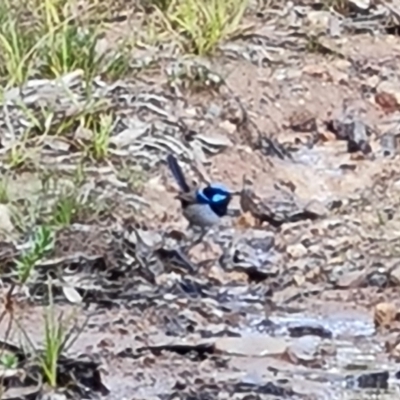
307	309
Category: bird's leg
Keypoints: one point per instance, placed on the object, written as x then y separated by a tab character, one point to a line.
207	246
199	237
196	240
197	234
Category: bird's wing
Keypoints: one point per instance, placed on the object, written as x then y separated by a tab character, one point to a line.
187	198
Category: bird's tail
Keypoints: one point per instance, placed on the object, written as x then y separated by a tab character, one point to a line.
177	173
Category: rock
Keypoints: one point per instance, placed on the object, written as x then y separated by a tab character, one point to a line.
315	207
316	71
318	19
252	345
280	206
352	130
308	330
296	250
314	274
388	144
228	127
360	5
304	350
369	380
395	352
395	275
53	395
334	27
388	96
253	254
214	140
392	346
299	279
385	314
303	121
214	111
130	135
269	388
354	279
387	102
358	141
378	278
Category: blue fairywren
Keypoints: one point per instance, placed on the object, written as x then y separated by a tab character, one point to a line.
203	208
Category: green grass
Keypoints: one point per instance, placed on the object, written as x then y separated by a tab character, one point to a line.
203	25
209	22
45	39
8	361
72	203
60	333
101	130
42	241
4	196
68	208
17	155
50	43
57	339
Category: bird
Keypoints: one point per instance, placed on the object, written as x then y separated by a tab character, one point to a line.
202	207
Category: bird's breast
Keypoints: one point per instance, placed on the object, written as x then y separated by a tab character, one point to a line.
200	214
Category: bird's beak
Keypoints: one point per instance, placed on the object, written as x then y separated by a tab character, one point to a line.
236	193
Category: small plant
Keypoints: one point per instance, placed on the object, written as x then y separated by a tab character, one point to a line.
65	208
79	174
206	23
101	133
51	43
70	47
55	341
41	242
16	44
72	203
9	361
118	64
58	339
71	206
4	197
17	156
24	214
340	6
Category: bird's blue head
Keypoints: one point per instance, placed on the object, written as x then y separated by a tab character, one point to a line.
217	196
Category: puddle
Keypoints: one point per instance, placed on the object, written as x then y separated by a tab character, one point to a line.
339	325
357	351
322	159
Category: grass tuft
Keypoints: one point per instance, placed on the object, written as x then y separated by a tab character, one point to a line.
206	23
101	129
50	42
60	333
42	242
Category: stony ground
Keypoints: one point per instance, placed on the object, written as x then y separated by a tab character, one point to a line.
306	103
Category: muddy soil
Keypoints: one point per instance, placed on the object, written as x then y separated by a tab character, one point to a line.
287	308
